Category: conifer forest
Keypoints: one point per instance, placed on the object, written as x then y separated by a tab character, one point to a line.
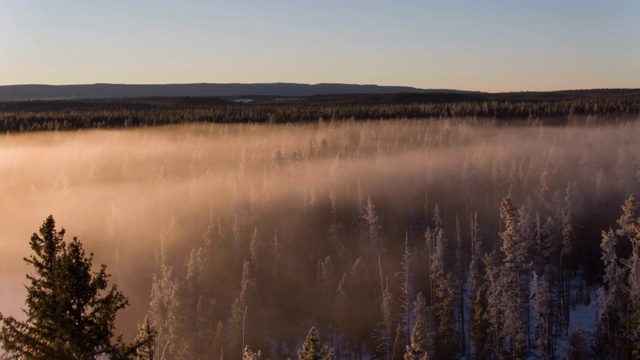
346	232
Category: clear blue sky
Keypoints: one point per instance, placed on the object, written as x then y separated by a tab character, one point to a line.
473	45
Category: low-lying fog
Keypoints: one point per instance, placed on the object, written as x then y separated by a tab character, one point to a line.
128	193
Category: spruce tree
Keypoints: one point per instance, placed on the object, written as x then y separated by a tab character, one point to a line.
566	253
611	300
70	309
312	349
247	322
399	344
618	330
219	341
578	348
629	223
405	289
165	311
541	295
513	284
385	345
146	349
250	355
256	248
422	336
478	290
444	303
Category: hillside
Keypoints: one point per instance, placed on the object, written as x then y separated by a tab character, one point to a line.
110	91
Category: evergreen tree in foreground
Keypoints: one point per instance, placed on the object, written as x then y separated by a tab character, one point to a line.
70	309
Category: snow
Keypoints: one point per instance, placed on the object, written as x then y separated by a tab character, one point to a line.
243	101
584	316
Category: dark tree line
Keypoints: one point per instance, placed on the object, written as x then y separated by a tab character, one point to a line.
554	107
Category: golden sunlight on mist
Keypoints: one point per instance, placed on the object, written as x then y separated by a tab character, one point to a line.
128	193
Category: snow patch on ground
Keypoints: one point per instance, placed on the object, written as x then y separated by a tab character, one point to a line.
583	316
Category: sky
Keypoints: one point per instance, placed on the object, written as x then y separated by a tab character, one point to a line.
468	45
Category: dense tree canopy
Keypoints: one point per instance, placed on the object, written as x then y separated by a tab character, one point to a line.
558	107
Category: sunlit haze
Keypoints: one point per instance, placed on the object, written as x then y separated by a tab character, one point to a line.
487	46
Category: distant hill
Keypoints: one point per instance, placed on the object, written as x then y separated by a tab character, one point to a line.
112	91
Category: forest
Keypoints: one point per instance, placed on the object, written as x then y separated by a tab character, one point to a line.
559	107
396	227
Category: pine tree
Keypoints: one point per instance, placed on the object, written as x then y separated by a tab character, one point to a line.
512	246
399	344
566	253
324	283
219	342
629	223
250	355
247	323
164	311
256	248
405	288
342	313
611	300
578	348
437	220
459	276
629	220
618	329
542	305
146	335
70	310
513	284
494	313
421	337
386	311
478	288
444	303
312	349
373	227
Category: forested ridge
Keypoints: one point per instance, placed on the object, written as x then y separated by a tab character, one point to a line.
433	238
555	107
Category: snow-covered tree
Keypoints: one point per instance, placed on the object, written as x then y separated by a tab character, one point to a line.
478	290
399	344
312	349
250	355
387	312
541	295
405	288
165	311
629	224
219	342
422	343
578	346
566	252
494	314
513	283
257	251
146	336
444	302
247	323
611	296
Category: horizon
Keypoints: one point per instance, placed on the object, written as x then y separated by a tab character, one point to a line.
326	83
497	46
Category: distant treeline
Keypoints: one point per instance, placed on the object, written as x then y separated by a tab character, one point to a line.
558	107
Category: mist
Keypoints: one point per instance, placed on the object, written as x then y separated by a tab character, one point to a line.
142	197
